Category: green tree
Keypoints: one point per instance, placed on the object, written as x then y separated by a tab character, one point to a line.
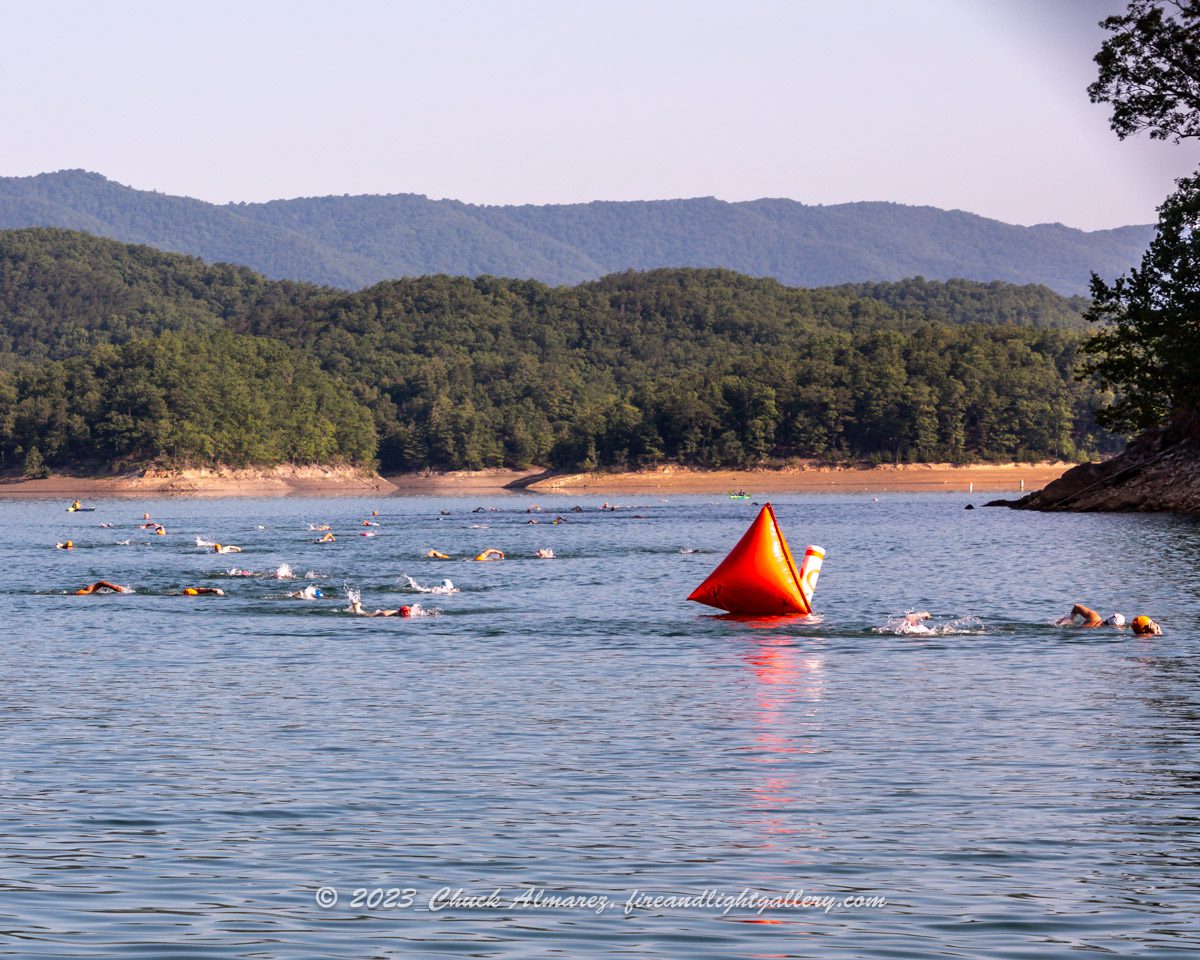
1148	348
35	468
1150	69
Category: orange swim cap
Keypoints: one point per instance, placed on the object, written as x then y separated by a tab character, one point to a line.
1140	623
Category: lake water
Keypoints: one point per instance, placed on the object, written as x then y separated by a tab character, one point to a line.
181	776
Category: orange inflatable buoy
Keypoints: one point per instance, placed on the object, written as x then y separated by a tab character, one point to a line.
759	577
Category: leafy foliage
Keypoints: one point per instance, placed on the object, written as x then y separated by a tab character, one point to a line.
183	399
177	361
1149	347
1150	69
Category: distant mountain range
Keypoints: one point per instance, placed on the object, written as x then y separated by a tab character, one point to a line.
355	241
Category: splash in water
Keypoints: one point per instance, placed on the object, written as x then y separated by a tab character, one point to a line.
445	587
201	542
908	625
283	572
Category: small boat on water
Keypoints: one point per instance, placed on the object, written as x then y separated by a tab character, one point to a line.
740	495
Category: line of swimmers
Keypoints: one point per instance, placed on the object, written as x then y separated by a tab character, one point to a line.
1081	616
491	553
311	592
107	586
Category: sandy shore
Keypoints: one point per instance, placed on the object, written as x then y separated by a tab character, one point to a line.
979	478
319	481
279	481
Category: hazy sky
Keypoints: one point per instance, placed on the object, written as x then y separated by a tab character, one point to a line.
972	104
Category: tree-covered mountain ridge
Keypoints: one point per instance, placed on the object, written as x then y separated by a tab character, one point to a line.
354	241
115	355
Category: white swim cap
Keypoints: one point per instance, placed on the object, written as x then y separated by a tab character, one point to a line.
1116	620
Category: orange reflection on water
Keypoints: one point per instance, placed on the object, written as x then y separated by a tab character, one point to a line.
786	677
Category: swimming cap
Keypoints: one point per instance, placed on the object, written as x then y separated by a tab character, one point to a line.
1116	620
1140	623
406	611
192	592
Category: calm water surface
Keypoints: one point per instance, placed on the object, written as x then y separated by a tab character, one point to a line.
181	775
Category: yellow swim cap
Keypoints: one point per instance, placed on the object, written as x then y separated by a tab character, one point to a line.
216	548
192	592
1140	623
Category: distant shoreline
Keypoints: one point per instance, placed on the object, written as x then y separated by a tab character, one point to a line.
347	481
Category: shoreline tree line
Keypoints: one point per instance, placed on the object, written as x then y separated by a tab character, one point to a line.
115	356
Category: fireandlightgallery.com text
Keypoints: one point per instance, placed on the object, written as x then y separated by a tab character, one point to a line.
717	902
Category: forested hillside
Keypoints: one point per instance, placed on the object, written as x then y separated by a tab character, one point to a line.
125	355
350	242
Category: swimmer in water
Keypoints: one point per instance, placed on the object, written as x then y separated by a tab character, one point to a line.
65	545
356	608
915	622
491	553
327	537
435	555
201	591
311	592
230	548
1089	618
919	623
545	554
102	586
1142	626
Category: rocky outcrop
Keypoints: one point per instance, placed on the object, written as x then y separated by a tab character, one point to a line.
1160	471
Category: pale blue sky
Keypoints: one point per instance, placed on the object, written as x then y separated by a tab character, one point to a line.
972	104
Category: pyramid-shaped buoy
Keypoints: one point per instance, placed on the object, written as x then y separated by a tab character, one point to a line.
759	577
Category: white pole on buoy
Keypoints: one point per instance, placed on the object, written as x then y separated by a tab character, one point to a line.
971	487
